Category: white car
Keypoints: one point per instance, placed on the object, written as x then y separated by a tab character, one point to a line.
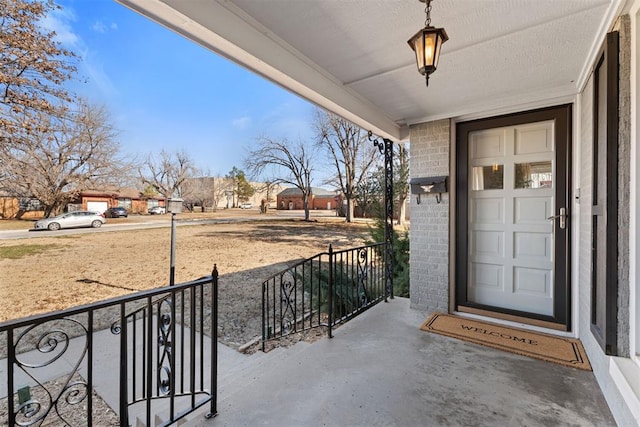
157	210
71	220
245	205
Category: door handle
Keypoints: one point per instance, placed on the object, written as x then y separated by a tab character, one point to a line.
562	216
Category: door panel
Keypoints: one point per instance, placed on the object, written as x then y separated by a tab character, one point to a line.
510	257
499	275
533	246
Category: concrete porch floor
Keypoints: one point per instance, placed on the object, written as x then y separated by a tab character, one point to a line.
381	369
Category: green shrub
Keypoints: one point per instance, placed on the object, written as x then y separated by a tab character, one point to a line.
400	256
349	293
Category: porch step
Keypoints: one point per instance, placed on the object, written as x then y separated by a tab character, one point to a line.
157	421
244	374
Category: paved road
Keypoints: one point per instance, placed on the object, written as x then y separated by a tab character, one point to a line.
162	221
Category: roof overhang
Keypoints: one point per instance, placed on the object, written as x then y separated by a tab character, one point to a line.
351	57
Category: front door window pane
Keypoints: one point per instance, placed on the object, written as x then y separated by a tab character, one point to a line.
487	177
534	175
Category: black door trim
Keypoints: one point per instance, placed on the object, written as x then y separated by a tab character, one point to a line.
562	117
604	296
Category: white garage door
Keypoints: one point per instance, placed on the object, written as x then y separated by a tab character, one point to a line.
97	206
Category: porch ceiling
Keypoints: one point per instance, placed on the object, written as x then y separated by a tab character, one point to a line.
352	56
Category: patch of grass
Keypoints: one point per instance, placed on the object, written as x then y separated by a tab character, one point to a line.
16	224
21	251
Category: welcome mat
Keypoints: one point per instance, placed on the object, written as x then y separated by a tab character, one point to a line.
565	351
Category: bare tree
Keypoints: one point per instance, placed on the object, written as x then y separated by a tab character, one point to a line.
268	187
219	192
372	192
292	162
350	151
33	68
63	156
168	173
207	191
401	180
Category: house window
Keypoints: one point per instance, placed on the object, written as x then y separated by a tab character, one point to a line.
124	203
30	204
152	202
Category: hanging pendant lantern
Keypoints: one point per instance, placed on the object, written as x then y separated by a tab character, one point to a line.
427	43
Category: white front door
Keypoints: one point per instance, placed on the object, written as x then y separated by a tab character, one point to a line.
511	196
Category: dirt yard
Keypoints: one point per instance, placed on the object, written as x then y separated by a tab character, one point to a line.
79	269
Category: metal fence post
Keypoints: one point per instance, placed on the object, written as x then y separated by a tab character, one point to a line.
124	400
388	201
386	147
330	292
264	316
213	411
172	262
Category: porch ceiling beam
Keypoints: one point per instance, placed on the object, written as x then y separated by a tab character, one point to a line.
227	31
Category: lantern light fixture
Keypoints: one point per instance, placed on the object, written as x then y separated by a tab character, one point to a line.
427	43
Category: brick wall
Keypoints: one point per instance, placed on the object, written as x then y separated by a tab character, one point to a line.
430	150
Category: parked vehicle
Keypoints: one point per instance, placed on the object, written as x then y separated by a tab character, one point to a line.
71	220
157	210
117	212
245	205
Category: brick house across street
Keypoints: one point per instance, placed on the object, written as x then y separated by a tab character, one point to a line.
12	207
320	199
129	198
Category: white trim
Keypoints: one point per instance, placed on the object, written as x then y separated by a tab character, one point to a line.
491	108
613	13
520	108
525	326
626	376
576	166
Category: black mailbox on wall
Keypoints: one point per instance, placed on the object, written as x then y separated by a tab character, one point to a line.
433	184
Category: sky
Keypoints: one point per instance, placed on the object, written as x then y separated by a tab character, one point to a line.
165	92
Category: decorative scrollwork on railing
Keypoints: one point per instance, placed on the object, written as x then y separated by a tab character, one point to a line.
288	300
322	291
165	323
116	328
376	142
28	413
53	343
73	394
363	275
164	380
40	348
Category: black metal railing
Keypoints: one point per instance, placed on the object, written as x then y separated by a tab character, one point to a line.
148	357
323	290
